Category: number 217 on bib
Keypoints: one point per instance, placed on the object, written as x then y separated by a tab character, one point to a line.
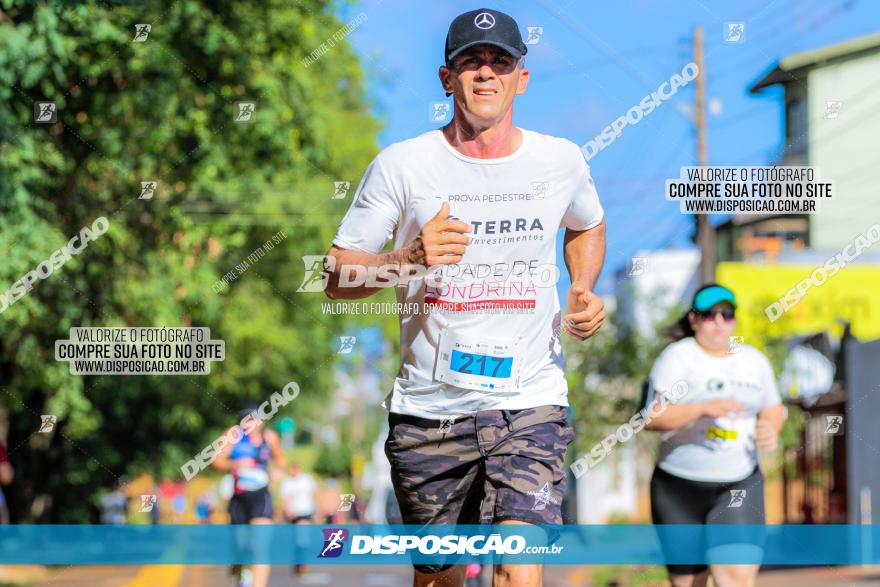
474	364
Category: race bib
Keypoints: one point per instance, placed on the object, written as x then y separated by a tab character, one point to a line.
716	433
727	430
252	478
480	364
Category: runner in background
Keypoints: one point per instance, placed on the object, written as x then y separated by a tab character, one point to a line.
156	511
226	488
178	507
328	502
249	462
707	471
298	496
114	505
206	505
6	476
298	502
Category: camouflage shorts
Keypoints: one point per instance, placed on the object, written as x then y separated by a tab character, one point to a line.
487	467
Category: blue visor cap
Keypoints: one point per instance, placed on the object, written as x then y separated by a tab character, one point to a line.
711	296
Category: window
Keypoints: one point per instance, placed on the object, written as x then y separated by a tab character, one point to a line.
796	127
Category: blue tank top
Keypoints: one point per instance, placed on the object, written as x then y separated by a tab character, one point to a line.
256	476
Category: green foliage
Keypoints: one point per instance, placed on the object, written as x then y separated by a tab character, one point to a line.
163	110
790	437
605	375
629	576
333	461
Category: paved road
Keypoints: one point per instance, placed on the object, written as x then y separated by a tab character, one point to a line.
362	576
215	576
396	576
822	577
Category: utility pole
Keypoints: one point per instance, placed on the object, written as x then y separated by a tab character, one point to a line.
705	231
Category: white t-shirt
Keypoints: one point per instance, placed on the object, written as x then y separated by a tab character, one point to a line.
298	495
515	205
713	449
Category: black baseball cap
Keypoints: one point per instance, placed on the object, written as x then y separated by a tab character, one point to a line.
247	410
484	25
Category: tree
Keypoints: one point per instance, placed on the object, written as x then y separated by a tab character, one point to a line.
163	110
605	376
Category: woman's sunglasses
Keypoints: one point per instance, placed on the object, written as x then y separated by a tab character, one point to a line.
708	315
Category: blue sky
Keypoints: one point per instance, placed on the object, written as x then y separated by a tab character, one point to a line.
596	60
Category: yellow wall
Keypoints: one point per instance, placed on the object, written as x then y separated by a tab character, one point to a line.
853	293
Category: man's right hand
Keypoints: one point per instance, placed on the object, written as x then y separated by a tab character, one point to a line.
720	408
442	240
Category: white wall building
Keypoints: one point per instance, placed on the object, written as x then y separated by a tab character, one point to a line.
652	284
832	122
610	488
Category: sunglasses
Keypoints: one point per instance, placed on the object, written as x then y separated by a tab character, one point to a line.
708	315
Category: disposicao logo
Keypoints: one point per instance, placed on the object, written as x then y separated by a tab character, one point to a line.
334	540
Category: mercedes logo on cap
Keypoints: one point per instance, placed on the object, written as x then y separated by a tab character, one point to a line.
484	20
483	26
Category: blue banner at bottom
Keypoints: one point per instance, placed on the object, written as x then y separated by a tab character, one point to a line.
440	544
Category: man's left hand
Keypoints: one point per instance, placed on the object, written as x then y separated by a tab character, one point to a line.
586	312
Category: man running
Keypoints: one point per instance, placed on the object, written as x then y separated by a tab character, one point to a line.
479	202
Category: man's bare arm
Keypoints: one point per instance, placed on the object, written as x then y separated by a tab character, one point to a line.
404	256
6	474
441	242
222	462
585	254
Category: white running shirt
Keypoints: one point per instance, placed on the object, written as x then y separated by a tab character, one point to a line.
298	495
713	449
515	205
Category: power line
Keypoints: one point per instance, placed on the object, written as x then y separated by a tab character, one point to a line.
814	24
675	232
739	116
659	172
585	33
652	51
